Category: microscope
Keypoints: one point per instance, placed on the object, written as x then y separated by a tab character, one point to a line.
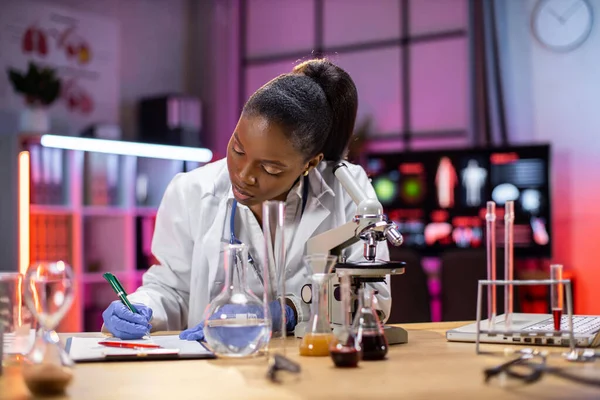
371	226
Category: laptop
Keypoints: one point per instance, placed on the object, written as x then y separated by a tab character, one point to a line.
537	329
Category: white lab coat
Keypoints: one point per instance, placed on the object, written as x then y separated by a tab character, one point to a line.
192	227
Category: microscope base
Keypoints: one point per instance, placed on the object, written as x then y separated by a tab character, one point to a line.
300	329
393	334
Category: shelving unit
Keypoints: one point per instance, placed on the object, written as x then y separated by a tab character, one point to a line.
96	212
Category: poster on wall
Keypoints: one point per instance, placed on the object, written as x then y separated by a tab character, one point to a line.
82	48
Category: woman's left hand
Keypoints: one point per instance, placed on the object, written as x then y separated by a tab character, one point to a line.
197	332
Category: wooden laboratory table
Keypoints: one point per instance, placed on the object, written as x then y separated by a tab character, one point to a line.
428	367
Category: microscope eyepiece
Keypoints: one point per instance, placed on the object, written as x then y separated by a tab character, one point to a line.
339	165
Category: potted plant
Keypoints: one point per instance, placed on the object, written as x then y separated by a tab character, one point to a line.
40	87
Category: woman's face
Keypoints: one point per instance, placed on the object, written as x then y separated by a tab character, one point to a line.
263	164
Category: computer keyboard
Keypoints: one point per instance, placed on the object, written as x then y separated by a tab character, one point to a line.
581	324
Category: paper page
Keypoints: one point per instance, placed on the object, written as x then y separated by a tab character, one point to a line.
19	342
88	348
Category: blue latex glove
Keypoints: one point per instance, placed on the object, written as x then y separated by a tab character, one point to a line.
197	332
290	319
124	324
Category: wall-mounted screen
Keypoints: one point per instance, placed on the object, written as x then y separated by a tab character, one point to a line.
438	198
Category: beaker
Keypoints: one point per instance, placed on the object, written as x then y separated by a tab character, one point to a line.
368	329
318	335
236	324
345	351
49	293
16	321
556	294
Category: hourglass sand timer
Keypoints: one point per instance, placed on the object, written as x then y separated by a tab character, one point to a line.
49	293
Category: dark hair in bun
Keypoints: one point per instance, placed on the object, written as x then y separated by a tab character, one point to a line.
315	104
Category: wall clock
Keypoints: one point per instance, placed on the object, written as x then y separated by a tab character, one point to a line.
562	25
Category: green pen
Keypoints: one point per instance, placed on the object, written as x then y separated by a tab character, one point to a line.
120	291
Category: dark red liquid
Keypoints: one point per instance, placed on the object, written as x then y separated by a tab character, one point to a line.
374	347
557	314
346	357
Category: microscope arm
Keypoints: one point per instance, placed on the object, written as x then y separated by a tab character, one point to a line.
334	240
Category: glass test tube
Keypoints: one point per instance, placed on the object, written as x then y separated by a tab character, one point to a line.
490	218
556	294
509	218
273	220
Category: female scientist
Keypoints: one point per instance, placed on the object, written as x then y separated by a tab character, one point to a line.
290	134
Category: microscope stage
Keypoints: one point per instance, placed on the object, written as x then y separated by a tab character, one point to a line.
375	268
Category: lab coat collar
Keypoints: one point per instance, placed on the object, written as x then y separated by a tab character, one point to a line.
318	185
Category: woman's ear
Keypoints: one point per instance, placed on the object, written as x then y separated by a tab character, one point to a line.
313	162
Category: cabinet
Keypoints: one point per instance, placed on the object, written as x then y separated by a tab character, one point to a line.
95	211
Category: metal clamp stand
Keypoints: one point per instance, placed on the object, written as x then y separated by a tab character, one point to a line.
520	332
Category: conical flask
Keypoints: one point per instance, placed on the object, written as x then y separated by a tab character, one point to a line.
236	324
367	327
318	336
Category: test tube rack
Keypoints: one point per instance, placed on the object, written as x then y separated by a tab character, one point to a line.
532	334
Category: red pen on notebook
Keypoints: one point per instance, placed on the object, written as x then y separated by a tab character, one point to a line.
130	345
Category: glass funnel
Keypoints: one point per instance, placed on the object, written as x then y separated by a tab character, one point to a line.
367	327
49	293
345	351
236	324
318	335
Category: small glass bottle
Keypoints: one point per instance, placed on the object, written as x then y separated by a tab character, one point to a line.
345	351
318	335
368	329
236	324
556	294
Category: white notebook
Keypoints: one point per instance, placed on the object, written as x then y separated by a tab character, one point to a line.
85	349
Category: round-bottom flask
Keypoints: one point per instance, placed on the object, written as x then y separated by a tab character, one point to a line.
236	323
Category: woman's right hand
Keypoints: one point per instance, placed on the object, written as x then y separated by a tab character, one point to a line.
124	324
